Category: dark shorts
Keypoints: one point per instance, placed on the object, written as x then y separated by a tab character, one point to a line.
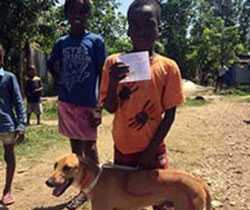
160	160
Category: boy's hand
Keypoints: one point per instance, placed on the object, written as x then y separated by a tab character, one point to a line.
118	71
147	158
19	136
95	118
38	90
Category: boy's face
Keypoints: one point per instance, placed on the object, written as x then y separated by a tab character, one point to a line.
143	27
31	72
78	14
1	57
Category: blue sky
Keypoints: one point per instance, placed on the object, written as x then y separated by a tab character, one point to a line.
123	7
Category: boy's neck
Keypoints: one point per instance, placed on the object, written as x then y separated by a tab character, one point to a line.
151	51
77	32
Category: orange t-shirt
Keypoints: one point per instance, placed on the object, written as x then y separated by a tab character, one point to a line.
142	103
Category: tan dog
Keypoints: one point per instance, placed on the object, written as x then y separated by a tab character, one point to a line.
112	188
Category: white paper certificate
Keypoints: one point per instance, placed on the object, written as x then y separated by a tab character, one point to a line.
139	66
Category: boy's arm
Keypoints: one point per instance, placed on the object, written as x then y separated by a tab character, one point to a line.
162	131
53	63
101	56
40	88
19	106
171	98
117	72
111	100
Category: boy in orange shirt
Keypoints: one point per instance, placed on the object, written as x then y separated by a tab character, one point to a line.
144	110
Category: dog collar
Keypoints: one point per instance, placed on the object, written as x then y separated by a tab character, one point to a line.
87	189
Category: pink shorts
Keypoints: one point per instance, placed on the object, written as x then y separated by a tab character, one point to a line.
74	122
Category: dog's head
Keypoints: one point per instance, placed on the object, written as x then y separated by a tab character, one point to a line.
67	170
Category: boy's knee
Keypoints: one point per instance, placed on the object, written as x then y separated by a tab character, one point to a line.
9	154
9	157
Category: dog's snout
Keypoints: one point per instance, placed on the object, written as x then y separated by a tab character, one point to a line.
50	182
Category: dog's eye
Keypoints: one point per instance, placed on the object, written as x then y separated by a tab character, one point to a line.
66	168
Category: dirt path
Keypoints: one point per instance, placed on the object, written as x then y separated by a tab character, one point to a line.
211	141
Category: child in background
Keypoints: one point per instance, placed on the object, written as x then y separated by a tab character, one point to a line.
144	111
76	65
33	92
11	125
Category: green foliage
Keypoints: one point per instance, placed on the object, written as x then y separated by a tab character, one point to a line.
195	102
247	100
19	20
38	139
50	29
216	46
202	35
105	20
242	90
245	24
50	110
120	45
176	18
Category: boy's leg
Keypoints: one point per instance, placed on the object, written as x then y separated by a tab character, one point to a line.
29	112
38	119
90	150
87	147
9	157
37	108
28	118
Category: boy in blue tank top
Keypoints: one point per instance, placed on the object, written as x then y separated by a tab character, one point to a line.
76	64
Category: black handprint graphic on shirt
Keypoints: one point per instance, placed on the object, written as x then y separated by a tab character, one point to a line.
140	119
126	92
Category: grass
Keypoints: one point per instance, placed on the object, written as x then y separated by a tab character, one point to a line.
246	99
195	102
241	90
39	139
50	110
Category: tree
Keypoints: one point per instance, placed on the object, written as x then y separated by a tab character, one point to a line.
212	44
105	20
19	24
245	24
176	19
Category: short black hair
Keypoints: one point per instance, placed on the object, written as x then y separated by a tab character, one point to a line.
68	4
140	3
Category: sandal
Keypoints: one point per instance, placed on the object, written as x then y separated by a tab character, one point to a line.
77	201
7	199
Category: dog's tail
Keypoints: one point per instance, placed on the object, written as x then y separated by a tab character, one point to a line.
208	198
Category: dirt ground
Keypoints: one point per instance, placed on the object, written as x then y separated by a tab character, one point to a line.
212	141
